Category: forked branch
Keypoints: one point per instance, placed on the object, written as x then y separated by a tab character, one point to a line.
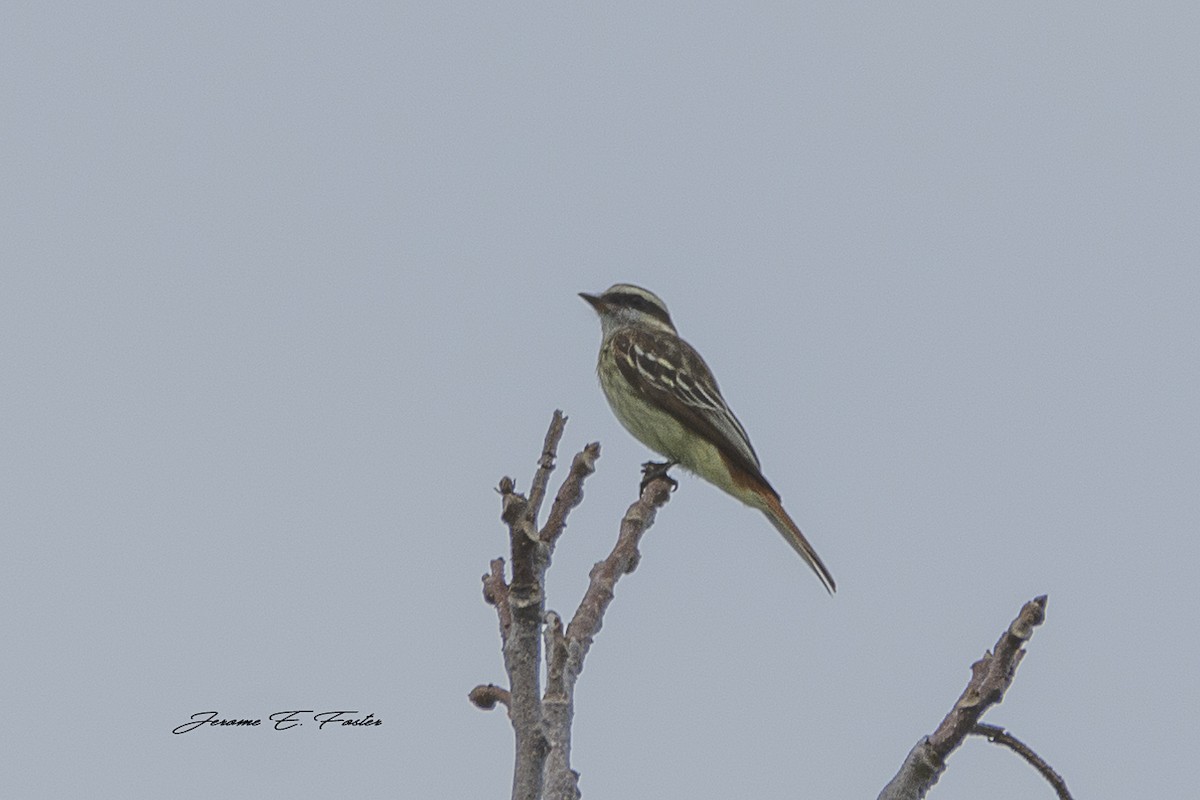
990	678
542	724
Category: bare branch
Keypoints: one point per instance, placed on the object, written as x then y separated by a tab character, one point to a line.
624	558
537	490
995	733
520	606
495	592
917	774
990	678
558	708
522	652
556	655
522	649
486	696
542	724
565	654
570	494
522	535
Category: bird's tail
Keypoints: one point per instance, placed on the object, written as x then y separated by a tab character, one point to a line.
783	523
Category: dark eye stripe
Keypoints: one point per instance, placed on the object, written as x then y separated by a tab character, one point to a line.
639	303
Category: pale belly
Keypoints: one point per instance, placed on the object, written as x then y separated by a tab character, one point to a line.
665	435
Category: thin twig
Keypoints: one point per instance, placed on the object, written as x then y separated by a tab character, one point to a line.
995	733
537	490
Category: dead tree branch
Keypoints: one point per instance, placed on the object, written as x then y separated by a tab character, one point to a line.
542	725
565	652
990	678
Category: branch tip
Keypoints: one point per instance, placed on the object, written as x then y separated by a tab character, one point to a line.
487	696
1032	614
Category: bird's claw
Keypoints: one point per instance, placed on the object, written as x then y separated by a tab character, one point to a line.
652	470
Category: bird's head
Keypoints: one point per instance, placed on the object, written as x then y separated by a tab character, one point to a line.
624	304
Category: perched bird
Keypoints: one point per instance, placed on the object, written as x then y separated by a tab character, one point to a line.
665	395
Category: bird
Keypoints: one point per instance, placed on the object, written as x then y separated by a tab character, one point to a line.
662	392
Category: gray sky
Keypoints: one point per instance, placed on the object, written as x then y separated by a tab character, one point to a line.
287	289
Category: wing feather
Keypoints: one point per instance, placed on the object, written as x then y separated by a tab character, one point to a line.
674	376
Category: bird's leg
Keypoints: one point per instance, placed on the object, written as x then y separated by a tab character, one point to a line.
652	470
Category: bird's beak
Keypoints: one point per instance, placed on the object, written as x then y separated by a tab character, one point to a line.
594	301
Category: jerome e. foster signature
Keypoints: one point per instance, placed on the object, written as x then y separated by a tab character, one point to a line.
281	720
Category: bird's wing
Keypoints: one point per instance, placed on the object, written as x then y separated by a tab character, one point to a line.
674	376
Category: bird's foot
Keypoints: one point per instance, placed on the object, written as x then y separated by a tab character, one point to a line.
653	470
